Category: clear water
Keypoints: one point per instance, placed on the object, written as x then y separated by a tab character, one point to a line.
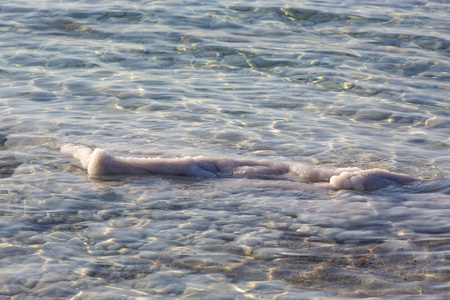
353	83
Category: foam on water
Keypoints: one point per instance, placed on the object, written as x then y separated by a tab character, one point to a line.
99	162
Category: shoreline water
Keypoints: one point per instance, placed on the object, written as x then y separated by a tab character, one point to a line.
331	85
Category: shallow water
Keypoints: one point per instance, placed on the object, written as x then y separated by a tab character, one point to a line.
335	84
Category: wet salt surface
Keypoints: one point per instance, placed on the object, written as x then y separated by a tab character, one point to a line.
334	85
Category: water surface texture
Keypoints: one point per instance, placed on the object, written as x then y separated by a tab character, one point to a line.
324	83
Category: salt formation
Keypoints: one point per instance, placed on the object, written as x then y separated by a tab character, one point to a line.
99	162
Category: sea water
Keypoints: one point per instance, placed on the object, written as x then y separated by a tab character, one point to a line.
333	84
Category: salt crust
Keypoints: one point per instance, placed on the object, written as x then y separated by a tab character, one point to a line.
99	162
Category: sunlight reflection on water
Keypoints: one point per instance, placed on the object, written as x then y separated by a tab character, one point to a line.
336	84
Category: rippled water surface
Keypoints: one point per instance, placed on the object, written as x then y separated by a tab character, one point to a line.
330	83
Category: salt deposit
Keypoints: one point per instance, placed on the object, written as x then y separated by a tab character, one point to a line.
99	162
